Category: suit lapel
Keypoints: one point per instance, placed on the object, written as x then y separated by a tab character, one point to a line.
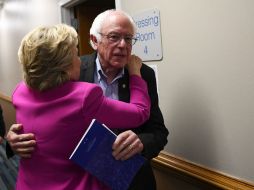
123	88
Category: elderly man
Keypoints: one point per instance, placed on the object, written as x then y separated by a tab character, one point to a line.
112	37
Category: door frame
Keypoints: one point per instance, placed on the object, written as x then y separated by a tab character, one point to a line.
66	9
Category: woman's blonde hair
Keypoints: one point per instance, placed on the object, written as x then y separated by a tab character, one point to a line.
46	54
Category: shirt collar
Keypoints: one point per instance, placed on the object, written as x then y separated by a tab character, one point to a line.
101	73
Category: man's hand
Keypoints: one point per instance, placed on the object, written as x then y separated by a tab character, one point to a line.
21	144
126	145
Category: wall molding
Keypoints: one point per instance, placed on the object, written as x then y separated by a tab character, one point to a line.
4	97
218	179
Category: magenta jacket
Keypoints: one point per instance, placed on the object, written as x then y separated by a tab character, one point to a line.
58	117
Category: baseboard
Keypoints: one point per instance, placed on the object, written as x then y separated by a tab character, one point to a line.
169	162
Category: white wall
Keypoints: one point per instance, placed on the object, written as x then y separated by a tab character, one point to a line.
17	17
206	80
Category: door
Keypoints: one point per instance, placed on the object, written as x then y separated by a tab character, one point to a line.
84	14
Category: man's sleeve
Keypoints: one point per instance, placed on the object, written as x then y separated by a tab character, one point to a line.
153	133
8	150
2	124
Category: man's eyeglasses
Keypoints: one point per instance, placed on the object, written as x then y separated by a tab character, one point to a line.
116	38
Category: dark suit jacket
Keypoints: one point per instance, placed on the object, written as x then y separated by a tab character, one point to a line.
153	133
2	125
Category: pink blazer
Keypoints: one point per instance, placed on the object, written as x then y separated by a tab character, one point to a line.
58	118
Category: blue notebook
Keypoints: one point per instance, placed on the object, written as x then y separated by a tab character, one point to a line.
94	154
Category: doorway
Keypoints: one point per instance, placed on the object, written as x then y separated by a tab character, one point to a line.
84	14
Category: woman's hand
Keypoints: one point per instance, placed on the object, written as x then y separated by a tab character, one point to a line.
134	65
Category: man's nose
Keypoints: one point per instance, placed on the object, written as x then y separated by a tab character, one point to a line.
122	42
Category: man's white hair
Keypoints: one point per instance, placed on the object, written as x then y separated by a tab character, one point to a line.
101	19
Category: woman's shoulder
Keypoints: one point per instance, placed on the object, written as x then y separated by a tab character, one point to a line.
21	86
83	85
88	93
85	88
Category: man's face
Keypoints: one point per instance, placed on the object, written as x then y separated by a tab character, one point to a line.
114	50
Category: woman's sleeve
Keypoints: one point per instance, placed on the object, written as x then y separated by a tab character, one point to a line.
117	114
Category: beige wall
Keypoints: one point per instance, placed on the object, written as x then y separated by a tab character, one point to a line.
206	80
16	19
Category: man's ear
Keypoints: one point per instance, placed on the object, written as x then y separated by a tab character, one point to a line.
94	40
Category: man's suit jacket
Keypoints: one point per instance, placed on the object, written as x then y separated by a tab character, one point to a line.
2	125
153	133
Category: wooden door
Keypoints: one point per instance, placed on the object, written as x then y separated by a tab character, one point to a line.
85	14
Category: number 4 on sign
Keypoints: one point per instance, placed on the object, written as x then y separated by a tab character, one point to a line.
145	50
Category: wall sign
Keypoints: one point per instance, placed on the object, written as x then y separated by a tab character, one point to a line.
148	46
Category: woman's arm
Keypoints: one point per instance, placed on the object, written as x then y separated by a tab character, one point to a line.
117	114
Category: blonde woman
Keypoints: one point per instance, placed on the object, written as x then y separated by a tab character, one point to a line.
54	106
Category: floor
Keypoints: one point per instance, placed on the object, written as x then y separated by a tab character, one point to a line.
8	170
